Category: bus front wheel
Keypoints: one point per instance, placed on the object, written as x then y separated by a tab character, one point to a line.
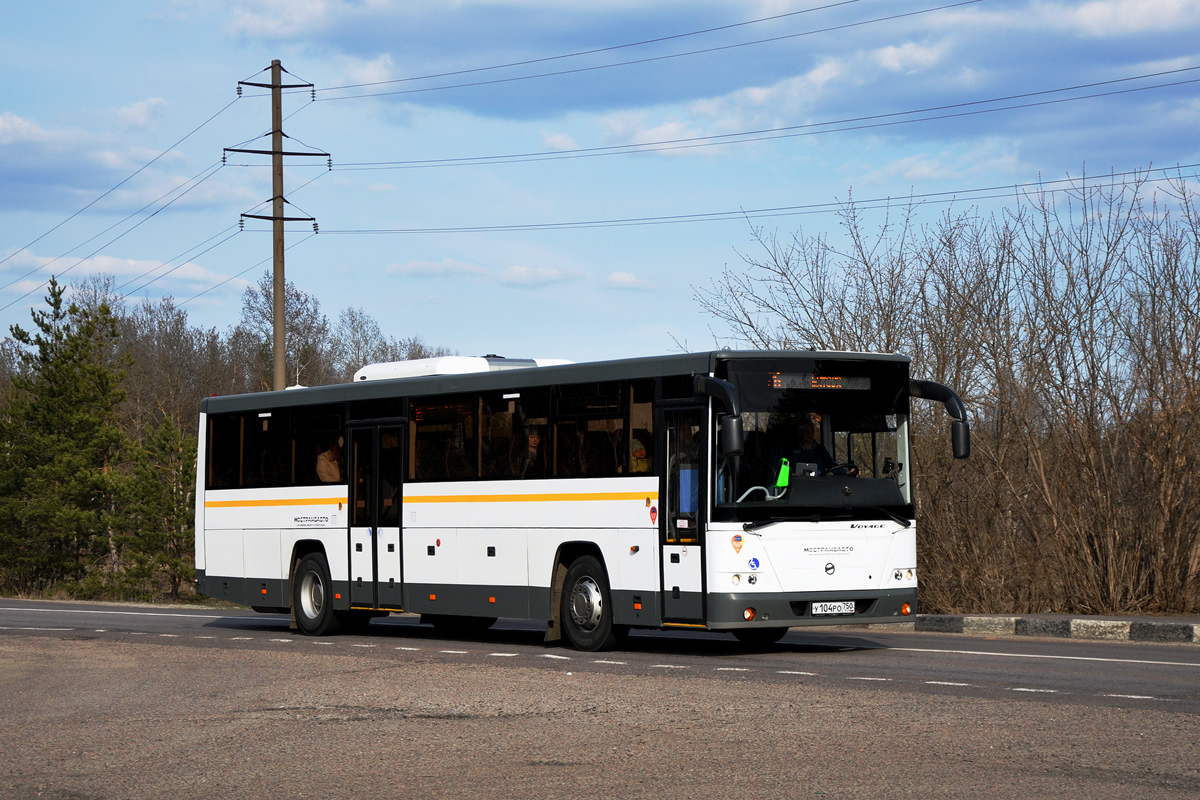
312	597
587	606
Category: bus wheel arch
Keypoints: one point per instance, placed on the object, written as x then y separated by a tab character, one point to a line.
584	607
312	594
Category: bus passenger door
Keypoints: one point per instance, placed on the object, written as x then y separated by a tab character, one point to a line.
376	571
683	526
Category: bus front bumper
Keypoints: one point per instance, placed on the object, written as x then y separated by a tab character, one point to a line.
795	609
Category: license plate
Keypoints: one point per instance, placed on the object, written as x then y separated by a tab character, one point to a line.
842	607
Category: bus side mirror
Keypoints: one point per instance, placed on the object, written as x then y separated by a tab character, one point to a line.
732	438
960	438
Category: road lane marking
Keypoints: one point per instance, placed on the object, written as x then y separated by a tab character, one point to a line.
597	661
732	669
142	613
411	649
289	641
243	639
1036	655
199	637
946	683
794	672
560	658
362	645
502	655
36	629
1038	691
1132	696
859	678
454	652
169	635
667	666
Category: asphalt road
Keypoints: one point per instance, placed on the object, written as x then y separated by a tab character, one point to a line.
134	701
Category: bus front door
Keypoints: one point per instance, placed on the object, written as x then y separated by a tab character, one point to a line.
376	571
683	525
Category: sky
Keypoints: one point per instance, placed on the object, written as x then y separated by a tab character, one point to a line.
541	178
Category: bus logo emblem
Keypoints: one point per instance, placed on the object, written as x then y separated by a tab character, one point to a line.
737	543
653	515
829	569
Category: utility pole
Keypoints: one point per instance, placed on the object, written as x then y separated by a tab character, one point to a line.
277	212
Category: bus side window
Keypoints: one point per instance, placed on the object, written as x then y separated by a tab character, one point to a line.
442	431
641	424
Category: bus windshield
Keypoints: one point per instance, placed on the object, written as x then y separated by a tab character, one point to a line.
821	440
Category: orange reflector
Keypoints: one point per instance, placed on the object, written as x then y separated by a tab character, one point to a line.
433	597
637	606
491	599
336	596
906	609
749	614
264	591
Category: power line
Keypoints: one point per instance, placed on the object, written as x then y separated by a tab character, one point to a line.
119	236
593	51
652	59
119	185
979	193
120	222
780	132
240	274
177	266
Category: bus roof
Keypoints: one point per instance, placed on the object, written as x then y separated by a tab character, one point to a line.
499	377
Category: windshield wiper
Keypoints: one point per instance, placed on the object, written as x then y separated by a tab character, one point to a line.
894	517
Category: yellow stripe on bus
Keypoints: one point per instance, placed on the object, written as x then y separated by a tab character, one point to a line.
529	498
299	501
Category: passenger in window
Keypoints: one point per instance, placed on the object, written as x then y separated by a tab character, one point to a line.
529	457
329	462
639	455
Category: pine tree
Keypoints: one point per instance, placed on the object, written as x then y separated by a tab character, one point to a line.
62	451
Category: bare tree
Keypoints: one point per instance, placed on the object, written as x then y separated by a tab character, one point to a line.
1071	327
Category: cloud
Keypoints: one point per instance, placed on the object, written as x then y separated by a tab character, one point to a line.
558	141
1103	18
14	129
279	19
129	274
908	57
627	280
533	276
139	114
431	269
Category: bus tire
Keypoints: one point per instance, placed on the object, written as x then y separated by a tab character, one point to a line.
759	637
312	597
587	606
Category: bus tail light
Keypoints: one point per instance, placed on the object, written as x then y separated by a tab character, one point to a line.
749	614
906	609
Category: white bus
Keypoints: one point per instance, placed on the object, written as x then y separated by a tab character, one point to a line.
746	492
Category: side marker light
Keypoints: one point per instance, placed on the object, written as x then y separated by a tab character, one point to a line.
906	609
749	614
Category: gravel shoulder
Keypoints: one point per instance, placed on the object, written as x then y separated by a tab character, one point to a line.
88	718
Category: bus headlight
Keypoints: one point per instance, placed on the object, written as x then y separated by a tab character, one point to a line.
749	614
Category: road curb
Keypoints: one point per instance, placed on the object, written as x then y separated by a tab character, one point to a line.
1140	630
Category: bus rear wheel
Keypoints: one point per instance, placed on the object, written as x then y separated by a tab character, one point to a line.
586	611
312	597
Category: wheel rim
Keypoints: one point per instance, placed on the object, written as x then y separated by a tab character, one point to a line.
312	595
587	604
